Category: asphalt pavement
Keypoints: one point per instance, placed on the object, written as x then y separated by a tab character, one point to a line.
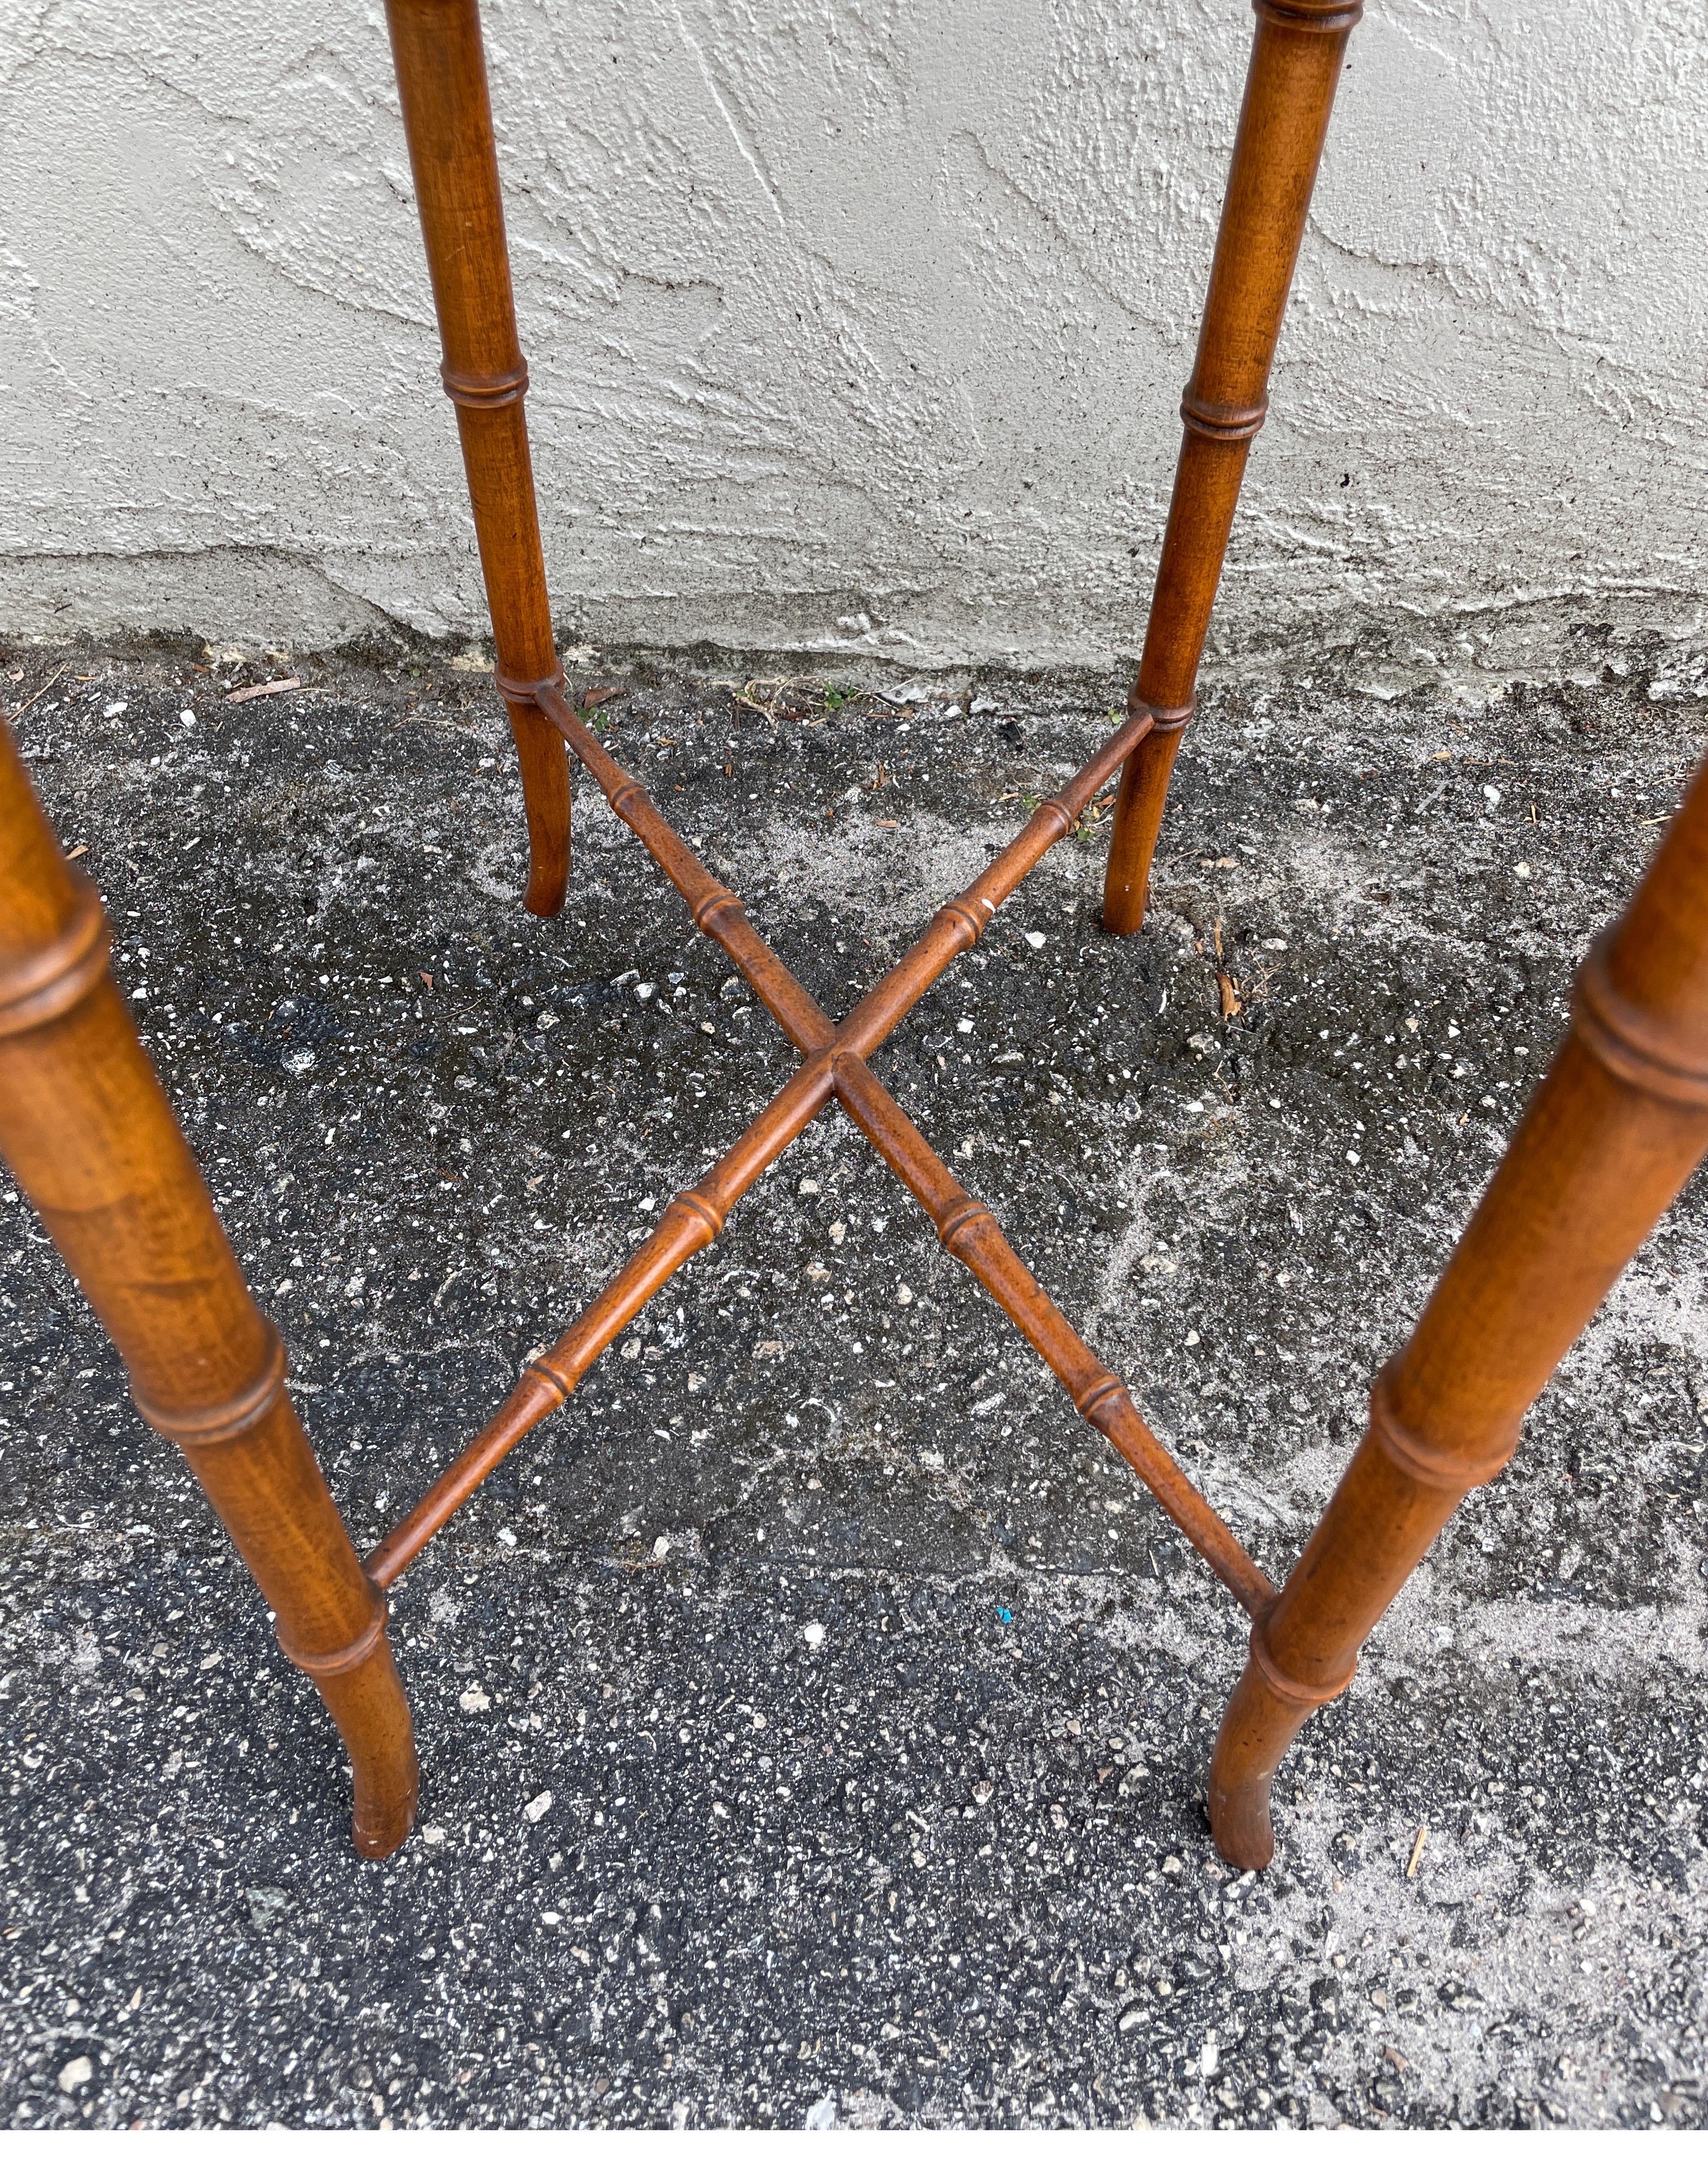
814	1719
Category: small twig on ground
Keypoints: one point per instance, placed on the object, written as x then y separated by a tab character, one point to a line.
262	689
1231	1003
41	691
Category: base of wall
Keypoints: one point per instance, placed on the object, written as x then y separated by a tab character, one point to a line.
257	599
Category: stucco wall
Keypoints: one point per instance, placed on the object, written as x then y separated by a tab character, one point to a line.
859	323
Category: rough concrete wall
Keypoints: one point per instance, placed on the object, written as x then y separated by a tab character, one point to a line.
859	324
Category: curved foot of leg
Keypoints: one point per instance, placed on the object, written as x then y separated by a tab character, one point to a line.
371	1711
545	770
1256	1730
1239	1814
1138	821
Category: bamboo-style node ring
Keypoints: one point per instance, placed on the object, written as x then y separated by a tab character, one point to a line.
48	983
1442	1468
1099	1392
218	1421
1630	1044
539	1369
700	1206
965	913
714	905
960	1216
517	689
321	1665
1326	15
1170	719
1222	420
485	389
1284	1687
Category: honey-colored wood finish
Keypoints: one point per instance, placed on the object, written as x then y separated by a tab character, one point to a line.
834	1065
1610	1138
447	117
1297	57
85	1129
1612	1134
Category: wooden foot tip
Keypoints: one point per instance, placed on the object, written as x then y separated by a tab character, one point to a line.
377	1834
388	1788
546	893
1240	1825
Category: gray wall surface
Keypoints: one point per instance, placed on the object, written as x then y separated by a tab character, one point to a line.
859	326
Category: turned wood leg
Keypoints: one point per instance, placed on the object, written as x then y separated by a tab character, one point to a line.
1296	60
1610	1137
86	1130
447	116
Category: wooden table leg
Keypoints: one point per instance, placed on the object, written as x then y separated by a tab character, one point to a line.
1610	1137
87	1129
1296	61
447	116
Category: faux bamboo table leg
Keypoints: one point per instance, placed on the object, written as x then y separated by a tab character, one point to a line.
1296	61
1610	1137
87	1129
447	116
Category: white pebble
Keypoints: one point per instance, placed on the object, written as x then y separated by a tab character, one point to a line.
112	712
534	1811
186	717
475	1699
812	1635
76	2072
904	1294
1034	939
